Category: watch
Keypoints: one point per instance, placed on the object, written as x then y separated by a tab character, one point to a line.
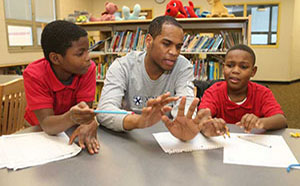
159	1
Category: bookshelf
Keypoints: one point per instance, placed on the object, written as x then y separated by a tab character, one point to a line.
227	31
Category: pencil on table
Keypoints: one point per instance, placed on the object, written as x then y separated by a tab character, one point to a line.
227	131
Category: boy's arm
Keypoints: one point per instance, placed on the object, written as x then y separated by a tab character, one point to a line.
54	124
270	117
250	121
274	122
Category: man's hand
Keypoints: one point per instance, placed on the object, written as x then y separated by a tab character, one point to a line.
87	137
185	127
81	114
155	109
250	121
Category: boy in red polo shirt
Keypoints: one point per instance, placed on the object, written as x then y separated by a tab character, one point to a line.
239	101
60	88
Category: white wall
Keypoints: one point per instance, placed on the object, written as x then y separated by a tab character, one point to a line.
295	65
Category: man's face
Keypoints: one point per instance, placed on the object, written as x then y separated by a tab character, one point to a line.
165	48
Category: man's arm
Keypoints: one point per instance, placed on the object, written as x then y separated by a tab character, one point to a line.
184	87
111	97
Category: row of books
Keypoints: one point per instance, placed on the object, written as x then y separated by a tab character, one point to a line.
98	93
126	41
206	69
101	70
208	42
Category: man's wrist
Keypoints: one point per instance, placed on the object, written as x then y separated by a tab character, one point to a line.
131	122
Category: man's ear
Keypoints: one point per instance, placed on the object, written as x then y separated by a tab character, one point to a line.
254	71
55	58
149	40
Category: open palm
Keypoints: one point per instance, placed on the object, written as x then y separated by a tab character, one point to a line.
184	127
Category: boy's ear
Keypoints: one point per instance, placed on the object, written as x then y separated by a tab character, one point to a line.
54	58
254	71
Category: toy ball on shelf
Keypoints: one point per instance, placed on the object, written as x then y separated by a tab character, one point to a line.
131	16
218	9
176	9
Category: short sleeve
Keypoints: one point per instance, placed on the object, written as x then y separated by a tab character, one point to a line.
270	106
209	100
38	95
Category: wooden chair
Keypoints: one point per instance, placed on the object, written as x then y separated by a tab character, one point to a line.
12	107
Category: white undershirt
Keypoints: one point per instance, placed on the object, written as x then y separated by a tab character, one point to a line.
239	103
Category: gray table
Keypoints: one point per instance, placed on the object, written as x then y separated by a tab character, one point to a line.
135	158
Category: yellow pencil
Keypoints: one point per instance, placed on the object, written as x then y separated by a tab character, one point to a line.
227	131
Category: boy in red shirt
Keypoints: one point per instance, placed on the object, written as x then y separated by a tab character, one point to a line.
60	88
239	101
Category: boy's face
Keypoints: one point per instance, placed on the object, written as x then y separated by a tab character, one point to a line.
165	48
76	60
238	69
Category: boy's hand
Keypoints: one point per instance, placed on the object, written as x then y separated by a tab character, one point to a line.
87	137
250	121
155	109
184	127
81	113
214	127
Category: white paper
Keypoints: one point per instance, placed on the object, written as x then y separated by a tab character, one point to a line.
246	152
31	149
253	149
171	144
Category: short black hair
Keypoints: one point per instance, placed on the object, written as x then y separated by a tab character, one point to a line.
58	36
243	48
156	24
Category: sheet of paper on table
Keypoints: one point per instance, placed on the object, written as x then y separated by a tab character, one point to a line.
242	149
31	149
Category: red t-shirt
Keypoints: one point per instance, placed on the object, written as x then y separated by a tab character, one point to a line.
260	101
43	90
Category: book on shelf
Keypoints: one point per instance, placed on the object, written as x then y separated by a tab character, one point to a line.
210	42
206	69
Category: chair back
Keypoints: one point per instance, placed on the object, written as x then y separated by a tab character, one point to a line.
12	107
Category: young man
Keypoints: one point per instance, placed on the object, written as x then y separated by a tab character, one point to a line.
60	88
239	101
146	82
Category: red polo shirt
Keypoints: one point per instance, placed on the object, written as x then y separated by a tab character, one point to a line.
43	90
260	101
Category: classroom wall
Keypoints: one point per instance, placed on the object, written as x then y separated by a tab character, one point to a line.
5	56
295	66
274	64
64	7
